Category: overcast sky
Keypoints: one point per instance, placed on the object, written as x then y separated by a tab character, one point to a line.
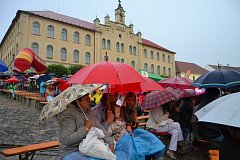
199	31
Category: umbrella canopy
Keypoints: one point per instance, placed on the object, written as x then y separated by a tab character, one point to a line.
149	85
157	98
20	77
12	80
177	92
107	73
176	82
224	110
43	78
59	103
3	66
219	78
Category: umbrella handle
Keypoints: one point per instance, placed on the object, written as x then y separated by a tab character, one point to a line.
82	111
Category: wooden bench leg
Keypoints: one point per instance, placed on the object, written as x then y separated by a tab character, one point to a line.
27	155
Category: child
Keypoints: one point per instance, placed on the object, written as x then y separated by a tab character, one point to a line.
117	129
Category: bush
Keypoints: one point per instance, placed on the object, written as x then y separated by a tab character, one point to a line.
57	69
74	68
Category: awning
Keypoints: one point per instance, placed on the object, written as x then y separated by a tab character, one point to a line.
154	77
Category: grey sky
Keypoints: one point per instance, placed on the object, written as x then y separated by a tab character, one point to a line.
199	31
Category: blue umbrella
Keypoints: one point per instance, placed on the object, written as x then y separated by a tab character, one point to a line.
3	66
219	78
45	77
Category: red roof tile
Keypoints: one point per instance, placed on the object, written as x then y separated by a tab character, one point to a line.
184	66
151	44
63	18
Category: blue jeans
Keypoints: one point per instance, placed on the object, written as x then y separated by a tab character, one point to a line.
74	156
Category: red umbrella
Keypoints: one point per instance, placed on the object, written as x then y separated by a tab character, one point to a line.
107	73
157	98
149	85
12	80
63	85
177	82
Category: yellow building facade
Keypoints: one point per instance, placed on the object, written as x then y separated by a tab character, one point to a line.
59	39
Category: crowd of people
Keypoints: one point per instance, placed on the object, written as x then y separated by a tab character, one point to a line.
116	115
119	121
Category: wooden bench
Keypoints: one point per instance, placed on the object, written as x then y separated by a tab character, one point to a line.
29	150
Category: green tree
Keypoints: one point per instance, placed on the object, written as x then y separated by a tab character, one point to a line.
74	68
57	69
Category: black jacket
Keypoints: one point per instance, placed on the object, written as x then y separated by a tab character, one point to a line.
230	148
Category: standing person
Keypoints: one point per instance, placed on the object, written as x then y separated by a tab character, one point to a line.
1	83
42	88
148	144
207	130
158	120
74	127
185	116
12	89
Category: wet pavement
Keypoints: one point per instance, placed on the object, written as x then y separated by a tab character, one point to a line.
19	126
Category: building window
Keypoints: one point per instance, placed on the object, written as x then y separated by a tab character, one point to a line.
87	40
76	37
50	31
130	49
158	56
87	58
133	64
134	50
75	56
169	59
158	70
49	52
117	47
122	47
108	44
163	57
103	43
151	54
164	71
145	53
64	34
117	59
152	68
169	72
36	28
145	67
63	54
122	60
35	48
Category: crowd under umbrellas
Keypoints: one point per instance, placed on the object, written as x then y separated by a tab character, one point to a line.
121	78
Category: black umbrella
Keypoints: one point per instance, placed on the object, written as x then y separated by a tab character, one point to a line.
219	78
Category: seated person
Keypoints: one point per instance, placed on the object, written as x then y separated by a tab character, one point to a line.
158	120
74	127
117	129
152	145
50	92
